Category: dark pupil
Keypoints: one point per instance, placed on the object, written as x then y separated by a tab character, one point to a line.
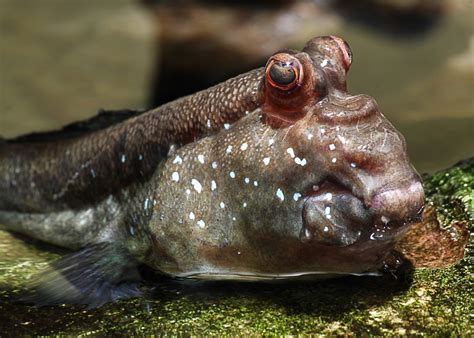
282	74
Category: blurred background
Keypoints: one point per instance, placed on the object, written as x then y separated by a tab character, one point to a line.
60	61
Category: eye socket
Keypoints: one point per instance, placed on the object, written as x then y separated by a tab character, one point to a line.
284	72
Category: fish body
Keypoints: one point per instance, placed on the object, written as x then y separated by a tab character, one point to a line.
308	180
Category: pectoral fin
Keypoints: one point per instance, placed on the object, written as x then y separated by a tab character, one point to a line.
96	275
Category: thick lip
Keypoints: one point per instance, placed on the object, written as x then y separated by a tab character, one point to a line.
381	228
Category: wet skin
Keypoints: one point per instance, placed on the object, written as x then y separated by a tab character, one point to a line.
309	181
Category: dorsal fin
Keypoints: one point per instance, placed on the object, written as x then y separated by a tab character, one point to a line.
104	119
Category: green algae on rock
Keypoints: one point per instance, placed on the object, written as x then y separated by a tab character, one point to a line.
435	301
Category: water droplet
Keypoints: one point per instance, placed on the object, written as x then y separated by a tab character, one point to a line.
201	158
291	152
232	174
201	223
222	205
175	176
192	216
213	185
229	149
332	146
244	146
296	196
214	165
266	160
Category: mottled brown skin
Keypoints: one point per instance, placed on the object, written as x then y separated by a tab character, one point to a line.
42	174
311	181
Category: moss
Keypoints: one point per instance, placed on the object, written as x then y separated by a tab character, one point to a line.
424	301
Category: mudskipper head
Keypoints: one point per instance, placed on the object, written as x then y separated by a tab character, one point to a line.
357	180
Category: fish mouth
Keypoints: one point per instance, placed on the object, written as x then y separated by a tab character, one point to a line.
334	214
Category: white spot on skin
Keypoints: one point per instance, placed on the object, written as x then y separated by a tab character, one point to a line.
327	210
238	252
266	160
146	203
247	180
271	141
232	174
353	165
334	160
280	195
244	146
175	176
197	185
291	152
301	162
188	191
255	183
226	126
213	185
192	216
322	130
209	124
244	204
332	146
328	196
201	223
222	205
214	165
310	136
296	196
229	149
326	229
324	63
201	158
233	218
177	160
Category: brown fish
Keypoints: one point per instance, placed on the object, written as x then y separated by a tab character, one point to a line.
309	181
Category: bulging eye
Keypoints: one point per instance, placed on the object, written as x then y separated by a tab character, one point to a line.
284	72
345	51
